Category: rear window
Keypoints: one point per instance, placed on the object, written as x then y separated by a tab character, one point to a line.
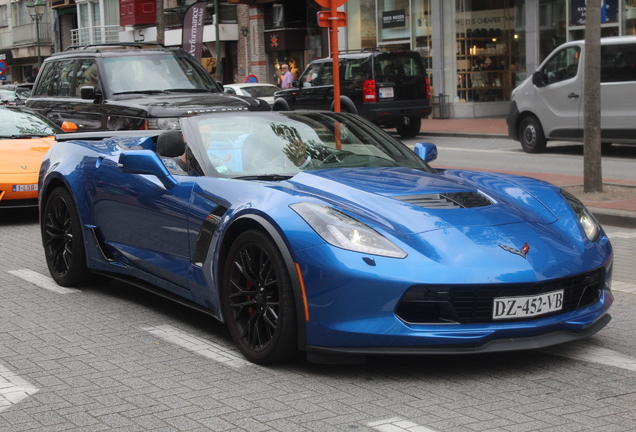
393	66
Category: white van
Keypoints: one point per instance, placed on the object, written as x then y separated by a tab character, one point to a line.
549	104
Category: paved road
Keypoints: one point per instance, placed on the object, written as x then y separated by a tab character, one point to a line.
112	357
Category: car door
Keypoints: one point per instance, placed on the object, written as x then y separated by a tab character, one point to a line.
558	103
316	87
52	95
145	221
87	114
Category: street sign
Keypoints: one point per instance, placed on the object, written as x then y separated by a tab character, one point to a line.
325	18
3	67
329	3
251	79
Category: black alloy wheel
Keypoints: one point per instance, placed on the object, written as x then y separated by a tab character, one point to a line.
531	135
63	241
258	301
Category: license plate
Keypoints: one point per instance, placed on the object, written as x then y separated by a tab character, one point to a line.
529	306
386	92
25	188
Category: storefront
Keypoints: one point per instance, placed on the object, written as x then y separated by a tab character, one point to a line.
477	51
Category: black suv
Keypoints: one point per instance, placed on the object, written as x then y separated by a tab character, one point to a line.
128	86
389	88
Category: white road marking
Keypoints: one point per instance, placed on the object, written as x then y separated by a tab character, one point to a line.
509	151
198	345
593	354
13	389
42	281
622	235
623	287
396	424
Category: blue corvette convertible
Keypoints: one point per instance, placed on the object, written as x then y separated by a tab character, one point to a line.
318	232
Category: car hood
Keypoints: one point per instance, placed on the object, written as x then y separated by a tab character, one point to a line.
410	201
20	156
175	104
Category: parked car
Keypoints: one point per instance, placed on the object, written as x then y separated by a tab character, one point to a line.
319	231
549	104
25	137
15	94
258	90
389	88
127	86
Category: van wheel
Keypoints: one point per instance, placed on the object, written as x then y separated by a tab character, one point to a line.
531	135
411	129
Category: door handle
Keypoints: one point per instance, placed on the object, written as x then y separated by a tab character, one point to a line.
573	96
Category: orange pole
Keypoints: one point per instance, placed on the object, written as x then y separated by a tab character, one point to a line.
334	56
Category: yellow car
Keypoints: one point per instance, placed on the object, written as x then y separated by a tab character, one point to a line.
25	137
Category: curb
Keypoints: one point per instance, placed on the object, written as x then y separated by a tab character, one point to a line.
618	218
464	135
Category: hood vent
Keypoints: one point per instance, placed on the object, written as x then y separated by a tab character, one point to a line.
447	200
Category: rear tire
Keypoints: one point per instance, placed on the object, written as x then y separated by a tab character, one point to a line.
63	240
258	300
531	135
410	130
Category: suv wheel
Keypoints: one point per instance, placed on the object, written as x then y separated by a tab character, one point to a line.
411	129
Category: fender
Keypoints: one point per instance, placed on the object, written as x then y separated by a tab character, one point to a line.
346	105
280	103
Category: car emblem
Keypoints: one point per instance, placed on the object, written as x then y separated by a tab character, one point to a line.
523	252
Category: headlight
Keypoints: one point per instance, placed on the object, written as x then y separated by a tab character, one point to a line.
340	230
588	222
166	123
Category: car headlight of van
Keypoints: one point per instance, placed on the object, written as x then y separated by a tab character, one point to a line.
588	222
164	123
343	231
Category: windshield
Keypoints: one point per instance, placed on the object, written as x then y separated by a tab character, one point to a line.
156	73
7	95
17	123
257	144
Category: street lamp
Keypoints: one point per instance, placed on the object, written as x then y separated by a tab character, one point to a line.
36	10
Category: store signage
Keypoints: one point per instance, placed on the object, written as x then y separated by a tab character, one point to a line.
609	12
494	18
394	19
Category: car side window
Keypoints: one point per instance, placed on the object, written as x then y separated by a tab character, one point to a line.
563	65
229	90
618	63
310	76
87	75
57	78
326	78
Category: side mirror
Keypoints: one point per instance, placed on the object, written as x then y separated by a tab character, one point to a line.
89	92
295	84
537	79
69	127
426	151
145	162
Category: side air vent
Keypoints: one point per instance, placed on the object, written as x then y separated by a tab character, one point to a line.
447	200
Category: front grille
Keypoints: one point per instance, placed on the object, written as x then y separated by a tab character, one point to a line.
465	304
447	200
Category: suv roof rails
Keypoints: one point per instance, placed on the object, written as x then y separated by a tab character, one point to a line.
115	45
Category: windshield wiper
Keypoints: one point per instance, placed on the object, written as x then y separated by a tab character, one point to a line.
141	91
272	177
191	90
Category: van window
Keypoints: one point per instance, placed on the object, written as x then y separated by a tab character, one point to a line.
618	63
561	66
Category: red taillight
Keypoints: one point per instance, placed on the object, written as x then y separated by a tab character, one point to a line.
369	91
428	89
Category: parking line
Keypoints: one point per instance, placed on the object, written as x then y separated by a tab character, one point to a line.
593	354
198	345
42	281
13	389
396	424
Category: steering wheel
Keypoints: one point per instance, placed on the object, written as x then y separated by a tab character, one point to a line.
337	156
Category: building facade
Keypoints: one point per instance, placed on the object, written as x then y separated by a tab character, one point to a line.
476	51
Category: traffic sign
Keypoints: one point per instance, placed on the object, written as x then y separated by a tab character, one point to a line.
3	67
328	3
325	18
251	79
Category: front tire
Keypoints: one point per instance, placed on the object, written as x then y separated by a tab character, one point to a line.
63	240
411	129
531	135
258	301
